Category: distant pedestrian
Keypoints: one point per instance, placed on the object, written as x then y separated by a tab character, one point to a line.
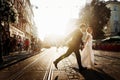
20	44
27	44
14	43
33	47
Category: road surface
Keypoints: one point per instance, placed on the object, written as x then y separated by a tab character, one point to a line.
40	67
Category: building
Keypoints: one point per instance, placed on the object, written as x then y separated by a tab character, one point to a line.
18	28
113	27
24	26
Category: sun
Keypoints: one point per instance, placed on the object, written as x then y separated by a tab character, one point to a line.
52	16
52	24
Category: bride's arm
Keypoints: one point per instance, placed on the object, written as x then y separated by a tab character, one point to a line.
86	40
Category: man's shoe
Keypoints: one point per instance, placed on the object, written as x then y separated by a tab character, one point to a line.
55	64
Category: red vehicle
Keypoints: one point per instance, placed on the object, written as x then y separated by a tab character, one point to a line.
108	44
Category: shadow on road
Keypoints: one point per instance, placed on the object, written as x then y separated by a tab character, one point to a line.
97	74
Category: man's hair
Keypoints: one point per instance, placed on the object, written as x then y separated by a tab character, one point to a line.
82	25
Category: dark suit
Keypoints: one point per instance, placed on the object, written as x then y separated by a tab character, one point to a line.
74	46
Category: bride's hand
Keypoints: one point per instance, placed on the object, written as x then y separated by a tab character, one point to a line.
82	47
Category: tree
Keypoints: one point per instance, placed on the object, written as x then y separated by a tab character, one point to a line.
8	14
96	15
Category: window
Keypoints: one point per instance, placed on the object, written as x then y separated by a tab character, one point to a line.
115	8
116	25
116	17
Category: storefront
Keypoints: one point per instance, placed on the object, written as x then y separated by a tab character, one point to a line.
16	31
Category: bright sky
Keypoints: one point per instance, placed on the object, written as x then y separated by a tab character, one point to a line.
52	16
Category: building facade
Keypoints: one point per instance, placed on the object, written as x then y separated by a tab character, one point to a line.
113	27
24	26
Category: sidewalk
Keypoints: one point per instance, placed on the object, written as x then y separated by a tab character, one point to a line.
107	68
14	57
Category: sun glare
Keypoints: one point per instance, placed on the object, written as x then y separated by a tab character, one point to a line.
52	16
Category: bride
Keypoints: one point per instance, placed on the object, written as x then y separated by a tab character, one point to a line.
87	55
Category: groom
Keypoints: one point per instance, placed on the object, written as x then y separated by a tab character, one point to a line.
74	46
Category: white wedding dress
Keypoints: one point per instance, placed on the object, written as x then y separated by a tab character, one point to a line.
87	55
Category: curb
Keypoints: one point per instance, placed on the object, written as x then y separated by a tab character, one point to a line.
4	65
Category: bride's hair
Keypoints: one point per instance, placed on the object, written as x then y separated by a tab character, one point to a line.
89	30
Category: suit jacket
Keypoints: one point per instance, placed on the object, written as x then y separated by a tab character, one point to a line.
76	39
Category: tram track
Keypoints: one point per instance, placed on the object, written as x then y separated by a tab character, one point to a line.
48	71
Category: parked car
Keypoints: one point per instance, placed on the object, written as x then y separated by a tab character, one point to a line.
109	44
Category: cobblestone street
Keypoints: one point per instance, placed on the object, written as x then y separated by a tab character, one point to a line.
109	62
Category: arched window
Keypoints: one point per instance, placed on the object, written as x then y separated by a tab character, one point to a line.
116	25
115	8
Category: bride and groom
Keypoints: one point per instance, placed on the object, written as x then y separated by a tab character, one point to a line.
85	58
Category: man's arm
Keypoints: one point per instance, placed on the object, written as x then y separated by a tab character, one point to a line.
82	42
